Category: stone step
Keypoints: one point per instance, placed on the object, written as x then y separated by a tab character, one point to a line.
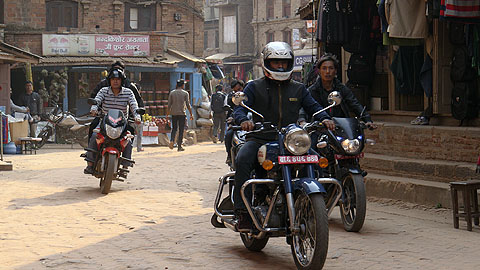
425	142
6	166
409	190
423	169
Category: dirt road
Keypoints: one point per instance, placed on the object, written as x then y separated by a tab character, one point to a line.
52	216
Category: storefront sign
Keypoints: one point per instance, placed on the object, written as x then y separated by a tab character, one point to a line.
110	45
296	42
302	59
95	45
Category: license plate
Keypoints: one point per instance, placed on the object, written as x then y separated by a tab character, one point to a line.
298	159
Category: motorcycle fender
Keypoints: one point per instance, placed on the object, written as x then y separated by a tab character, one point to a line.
354	170
308	186
111	150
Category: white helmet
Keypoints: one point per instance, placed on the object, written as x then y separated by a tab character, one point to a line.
277	51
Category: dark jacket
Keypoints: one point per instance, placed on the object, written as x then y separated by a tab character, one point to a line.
126	83
349	101
278	102
33	102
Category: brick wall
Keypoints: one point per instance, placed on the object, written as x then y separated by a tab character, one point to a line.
25	19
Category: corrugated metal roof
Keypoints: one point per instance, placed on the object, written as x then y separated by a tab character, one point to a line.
187	56
168	61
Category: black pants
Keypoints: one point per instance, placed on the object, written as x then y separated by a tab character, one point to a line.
219	123
245	163
178	122
228	141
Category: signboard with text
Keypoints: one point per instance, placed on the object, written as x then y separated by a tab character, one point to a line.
95	45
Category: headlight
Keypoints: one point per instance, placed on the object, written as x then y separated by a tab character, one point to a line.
351	146
297	141
112	132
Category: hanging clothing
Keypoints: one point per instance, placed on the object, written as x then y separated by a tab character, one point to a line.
460	8
387	40
335	21
406	67
426	76
406	18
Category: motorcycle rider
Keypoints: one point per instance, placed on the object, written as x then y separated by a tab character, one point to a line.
236	86
118	97
328	82
105	83
278	99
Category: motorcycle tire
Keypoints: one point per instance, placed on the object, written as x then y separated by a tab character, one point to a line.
253	244
44	135
311	217
354	208
106	182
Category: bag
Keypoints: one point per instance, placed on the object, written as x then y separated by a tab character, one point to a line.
456	33
360	69
461	67
218	101
464	104
360	40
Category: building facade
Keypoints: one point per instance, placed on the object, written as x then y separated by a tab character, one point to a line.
78	39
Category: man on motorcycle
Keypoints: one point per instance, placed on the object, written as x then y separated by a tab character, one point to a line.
113	97
236	86
279	100
328	82
125	83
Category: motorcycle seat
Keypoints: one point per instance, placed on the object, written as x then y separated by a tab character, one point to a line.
84	119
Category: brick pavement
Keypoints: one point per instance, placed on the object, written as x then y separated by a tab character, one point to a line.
53	217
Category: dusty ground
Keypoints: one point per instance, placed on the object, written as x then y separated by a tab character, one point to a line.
53	217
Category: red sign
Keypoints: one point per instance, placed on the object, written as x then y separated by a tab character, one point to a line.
297	159
116	45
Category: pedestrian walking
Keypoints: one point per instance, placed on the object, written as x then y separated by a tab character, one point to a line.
178	100
219	114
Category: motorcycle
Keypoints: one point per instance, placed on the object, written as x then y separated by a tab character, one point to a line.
68	128
112	138
289	201
343	148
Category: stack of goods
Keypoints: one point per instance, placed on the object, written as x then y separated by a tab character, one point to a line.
204	113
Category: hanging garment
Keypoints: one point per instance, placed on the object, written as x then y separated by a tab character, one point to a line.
406	18
406	66
460	8
335	21
426	76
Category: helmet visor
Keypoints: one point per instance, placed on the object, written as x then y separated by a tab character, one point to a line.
279	65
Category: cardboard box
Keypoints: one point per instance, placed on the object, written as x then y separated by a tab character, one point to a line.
18	130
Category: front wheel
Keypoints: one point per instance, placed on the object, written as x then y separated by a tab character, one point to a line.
354	207
107	179
253	244
310	244
44	135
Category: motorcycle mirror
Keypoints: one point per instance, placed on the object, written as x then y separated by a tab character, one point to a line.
141	111
335	98
238	98
91	101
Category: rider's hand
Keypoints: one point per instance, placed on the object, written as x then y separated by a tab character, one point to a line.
191	117
93	113
329	124
247	125
371	125
138	120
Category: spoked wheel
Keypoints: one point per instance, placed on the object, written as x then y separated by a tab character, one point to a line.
354	208
107	179
310	244
253	244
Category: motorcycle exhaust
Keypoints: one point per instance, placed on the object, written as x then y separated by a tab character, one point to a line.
339	190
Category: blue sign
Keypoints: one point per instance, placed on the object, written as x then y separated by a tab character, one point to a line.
302	59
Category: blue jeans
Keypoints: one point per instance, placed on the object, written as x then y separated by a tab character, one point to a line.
92	144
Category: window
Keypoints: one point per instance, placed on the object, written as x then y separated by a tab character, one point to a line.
140	17
205	40
270	9
62	14
286	8
229	29
217	41
270	36
287	36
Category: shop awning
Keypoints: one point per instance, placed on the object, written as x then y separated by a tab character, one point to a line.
218	58
186	55
307	11
12	54
166	61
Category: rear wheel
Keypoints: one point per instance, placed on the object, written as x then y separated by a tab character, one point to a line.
44	135
354	208
253	244
107	179
310	244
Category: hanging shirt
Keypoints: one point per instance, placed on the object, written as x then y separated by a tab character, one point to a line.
406	18
460	8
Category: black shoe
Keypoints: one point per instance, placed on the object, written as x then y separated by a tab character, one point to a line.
180	149
244	220
88	170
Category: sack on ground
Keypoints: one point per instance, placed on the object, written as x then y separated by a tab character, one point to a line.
203	113
204	122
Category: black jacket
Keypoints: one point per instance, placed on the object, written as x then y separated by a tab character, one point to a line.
33	102
278	102
349	101
126	83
